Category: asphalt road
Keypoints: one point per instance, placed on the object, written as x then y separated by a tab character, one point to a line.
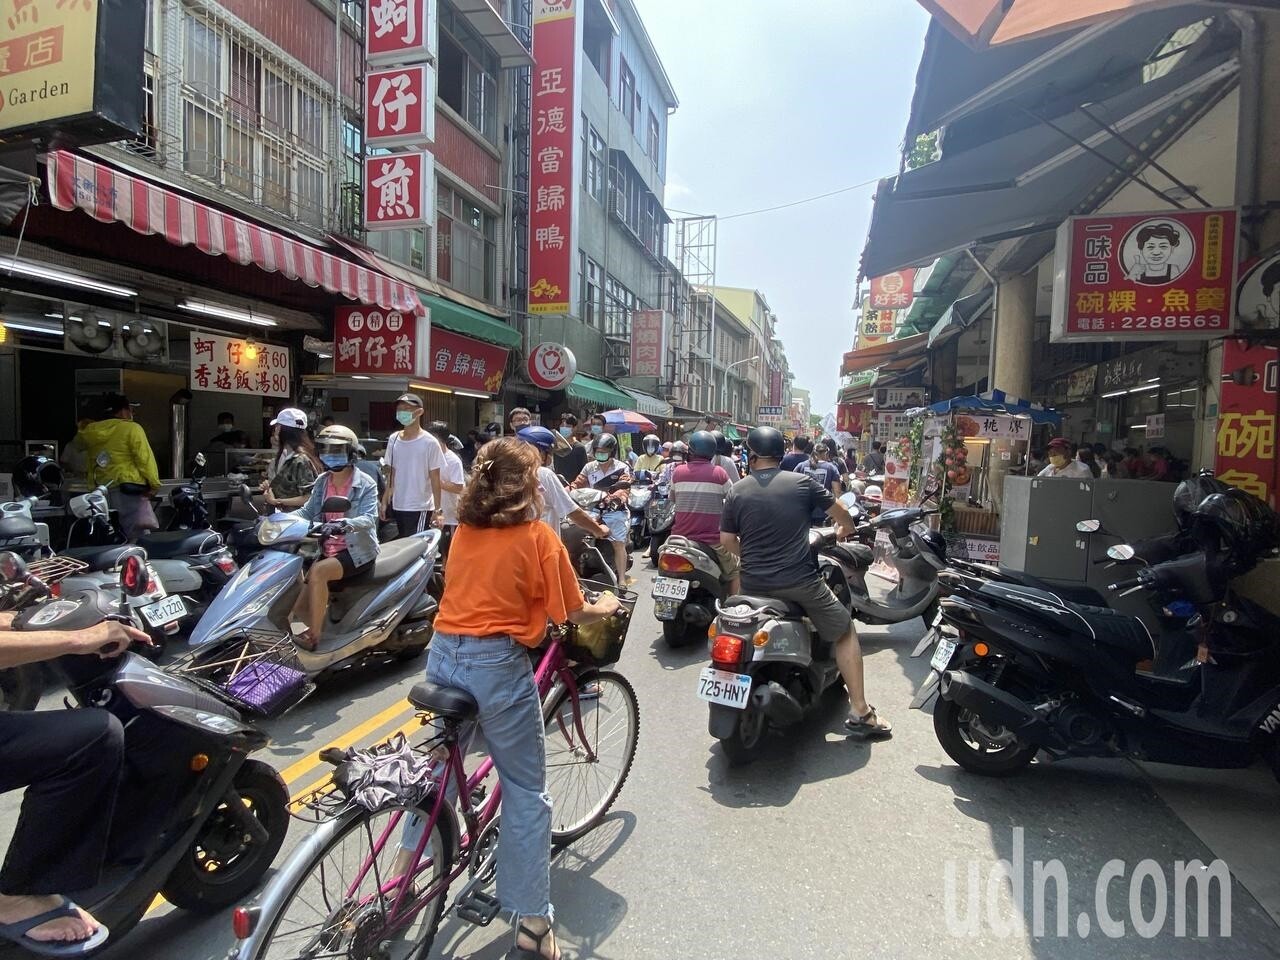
827	847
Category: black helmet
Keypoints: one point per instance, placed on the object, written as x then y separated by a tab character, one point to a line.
651	443
1191	493
766	442
679	451
703	444
36	476
605	443
1248	526
723	446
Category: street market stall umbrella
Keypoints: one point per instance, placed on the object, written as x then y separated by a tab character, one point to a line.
628	421
989	23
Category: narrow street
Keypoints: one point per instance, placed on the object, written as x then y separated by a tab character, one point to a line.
826	848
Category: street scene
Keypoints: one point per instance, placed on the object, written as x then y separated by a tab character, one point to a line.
547	479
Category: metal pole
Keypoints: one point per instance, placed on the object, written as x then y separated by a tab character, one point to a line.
1248	125
995	306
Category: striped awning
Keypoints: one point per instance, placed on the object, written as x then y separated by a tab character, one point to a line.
109	195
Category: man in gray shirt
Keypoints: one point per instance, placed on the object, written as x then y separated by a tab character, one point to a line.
873	464
766	522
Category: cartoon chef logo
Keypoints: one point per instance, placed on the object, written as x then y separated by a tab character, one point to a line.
1157	252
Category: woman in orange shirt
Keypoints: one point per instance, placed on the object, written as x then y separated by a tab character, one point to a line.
508	574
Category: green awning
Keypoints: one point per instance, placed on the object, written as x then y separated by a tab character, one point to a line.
591	389
730	431
472	323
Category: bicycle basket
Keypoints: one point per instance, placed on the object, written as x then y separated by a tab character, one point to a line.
600	644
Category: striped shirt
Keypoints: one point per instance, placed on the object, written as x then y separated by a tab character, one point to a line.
698	490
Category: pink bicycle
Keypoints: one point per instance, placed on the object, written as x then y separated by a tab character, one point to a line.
348	891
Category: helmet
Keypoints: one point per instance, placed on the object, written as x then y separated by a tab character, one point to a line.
1246	524
679	451
766	442
723	446
36	476
540	437
666	449
858	487
606	443
1191	493
336	440
652	443
702	444
873	492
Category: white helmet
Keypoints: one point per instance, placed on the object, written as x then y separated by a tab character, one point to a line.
858	486
873	492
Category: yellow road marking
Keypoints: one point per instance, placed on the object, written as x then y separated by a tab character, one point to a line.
308	763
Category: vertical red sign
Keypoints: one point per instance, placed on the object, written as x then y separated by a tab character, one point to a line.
400	31
646	343
398	191
775	386
399	106
552	250
1246	454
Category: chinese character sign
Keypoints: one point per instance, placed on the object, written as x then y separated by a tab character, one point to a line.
372	341
229	365
899	398
874	326
647	343
1145	276
466	364
552	248
772	415
1247	418
400	31
849	418
893	291
399	191
46	60
400	106
775	385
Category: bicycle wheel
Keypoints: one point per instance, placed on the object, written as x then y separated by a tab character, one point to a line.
335	907
584	778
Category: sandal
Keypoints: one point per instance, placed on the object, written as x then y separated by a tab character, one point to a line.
306	640
869	726
518	952
16	933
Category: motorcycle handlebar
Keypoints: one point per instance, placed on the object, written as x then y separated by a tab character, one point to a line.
1127	584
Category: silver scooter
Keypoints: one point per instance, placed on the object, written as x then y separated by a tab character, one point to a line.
243	648
687	589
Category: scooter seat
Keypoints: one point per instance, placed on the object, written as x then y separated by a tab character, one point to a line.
448	702
771	605
167	544
99	558
857	555
393	559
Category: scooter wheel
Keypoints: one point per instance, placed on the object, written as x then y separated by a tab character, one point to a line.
681	633
746	742
976	750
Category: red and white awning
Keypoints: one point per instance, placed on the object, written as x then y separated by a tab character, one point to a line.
109	195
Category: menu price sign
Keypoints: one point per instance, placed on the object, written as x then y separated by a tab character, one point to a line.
1145	276
230	365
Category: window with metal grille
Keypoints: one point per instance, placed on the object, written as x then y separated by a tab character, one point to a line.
467	75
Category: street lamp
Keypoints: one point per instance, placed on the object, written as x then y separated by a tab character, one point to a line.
724	386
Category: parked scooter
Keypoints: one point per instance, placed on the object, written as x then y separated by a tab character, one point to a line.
591	562
637	501
195	820
243	646
687	590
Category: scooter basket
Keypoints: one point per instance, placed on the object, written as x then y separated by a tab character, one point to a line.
600	644
265	686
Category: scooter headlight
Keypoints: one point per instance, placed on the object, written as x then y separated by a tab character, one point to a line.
269	531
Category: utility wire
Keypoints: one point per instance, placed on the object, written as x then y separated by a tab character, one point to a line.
784	206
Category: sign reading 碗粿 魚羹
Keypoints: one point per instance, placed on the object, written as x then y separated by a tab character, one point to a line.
1145	276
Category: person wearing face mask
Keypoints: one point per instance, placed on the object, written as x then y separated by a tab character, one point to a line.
351	542
414	461
606	472
651	459
293	471
228	435
570	461
597	427
1062	464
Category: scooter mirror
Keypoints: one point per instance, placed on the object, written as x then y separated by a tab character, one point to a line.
336	505
201	460
12	569
1089	526
135	580
1121	551
246	496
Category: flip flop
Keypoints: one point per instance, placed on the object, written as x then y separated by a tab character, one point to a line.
16	933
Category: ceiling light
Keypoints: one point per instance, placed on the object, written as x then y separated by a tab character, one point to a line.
36	271
359	376
35	326
1150	386
469	393
1114	393
226	313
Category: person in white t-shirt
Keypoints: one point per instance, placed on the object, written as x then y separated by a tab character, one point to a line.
414	460
557	504
453	477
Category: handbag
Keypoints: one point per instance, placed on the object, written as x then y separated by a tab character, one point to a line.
133	489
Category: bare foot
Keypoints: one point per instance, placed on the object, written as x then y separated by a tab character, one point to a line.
62	930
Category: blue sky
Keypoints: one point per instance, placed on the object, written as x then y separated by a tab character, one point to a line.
777	106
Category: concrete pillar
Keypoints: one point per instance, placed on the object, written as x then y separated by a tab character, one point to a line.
942	369
1015	324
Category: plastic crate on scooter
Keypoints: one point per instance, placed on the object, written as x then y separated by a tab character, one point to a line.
600	644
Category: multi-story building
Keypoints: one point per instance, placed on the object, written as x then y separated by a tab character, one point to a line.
763	376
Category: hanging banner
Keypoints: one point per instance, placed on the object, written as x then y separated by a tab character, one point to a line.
231	365
1151	276
400	106
849	417
1246	443
370	341
647	343
466	363
553	251
894	291
400	31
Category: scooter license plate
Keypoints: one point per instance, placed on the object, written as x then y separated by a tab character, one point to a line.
164	612
946	649
725	688
668	588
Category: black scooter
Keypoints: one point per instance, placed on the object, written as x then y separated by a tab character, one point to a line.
196	820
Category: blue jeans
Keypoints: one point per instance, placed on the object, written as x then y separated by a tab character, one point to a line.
497	672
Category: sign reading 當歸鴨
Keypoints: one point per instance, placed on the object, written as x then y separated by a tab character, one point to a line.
71	71
370	341
466	363
553	251
231	365
1152	276
648	329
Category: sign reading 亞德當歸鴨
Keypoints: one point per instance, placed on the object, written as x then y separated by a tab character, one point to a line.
1145	276
232	365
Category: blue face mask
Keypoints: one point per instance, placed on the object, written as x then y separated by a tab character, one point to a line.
596	429
334	461
404	417
603	457
566	431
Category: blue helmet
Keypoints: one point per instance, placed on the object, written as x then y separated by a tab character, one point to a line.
540	437
702	444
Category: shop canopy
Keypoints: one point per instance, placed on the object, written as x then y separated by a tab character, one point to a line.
731	432
882	353
599	391
109	195
959	316
650	405
1029	181
997	401
472	323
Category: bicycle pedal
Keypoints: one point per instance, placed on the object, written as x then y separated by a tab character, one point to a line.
478	908
478	795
